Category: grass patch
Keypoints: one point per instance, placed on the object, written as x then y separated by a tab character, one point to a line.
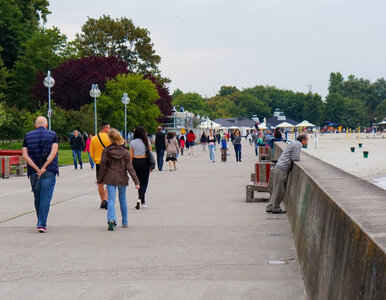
64	153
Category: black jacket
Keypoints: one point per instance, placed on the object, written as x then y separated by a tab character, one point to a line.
77	143
160	140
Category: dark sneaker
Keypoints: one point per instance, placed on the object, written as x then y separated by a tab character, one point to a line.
138	205
279	212
111	225
42	229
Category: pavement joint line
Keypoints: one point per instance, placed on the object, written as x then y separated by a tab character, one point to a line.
32	211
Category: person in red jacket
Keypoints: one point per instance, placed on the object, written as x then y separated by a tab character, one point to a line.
191	138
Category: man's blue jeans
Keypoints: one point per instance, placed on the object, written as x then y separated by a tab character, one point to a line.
43	189
238	152
160	158
77	154
111	189
211	152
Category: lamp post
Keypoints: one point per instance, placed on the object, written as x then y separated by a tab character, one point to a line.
125	100
95	92
49	83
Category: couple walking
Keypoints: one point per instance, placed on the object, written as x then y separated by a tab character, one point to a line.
113	161
168	144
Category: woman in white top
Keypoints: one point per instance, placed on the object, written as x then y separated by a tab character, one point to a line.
138	157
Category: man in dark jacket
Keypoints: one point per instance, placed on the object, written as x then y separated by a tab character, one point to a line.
40	151
160	147
77	146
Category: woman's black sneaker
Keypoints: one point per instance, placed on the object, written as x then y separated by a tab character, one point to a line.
111	225
138	205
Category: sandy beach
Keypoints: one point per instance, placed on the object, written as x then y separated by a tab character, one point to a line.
335	150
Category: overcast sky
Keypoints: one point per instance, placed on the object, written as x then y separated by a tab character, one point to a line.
291	44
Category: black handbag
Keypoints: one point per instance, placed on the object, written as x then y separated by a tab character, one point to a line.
150	159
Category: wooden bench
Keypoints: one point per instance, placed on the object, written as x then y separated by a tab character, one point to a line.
261	183
11	160
264	153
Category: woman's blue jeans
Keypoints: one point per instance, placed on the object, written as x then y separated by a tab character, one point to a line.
111	190
211	152
90	160
238	152
43	189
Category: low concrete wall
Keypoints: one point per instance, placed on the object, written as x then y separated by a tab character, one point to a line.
338	223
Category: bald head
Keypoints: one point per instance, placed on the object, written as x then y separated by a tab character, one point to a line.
41	122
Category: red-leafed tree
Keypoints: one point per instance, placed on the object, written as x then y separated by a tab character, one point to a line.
164	102
73	80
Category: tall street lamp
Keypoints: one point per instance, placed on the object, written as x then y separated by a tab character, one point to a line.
95	92
49	83
125	100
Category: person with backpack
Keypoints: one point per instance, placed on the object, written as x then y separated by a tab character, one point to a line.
182	140
98	143
114	165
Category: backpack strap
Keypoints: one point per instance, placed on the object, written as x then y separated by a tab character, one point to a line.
101	141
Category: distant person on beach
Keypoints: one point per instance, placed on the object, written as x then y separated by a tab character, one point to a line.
224	148
281	172
237	144
114	165
87	149
204	141
191	138
77	146
211	145
160	147
40	152
182	140
171	150
98	143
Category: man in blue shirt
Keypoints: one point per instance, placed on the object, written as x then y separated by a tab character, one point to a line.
40	151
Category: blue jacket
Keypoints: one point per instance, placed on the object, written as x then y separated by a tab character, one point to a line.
39	143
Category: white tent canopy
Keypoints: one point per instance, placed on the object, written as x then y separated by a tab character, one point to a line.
382	123
209	124
285	125
305	123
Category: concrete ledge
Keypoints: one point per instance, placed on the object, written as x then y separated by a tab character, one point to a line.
339	228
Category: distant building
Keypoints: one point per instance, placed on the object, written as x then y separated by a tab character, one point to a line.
277	118
236	122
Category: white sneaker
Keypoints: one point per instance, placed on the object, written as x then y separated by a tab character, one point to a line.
143	205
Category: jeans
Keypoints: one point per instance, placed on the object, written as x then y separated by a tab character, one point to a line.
111	190
238	152
160	158
90	160
256	149
211	152
43	189
77	154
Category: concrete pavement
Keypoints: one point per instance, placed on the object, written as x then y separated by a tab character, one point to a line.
198	239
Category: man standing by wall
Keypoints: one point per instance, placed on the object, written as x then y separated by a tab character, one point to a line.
77	146
98	143
160	147
282	169
40	151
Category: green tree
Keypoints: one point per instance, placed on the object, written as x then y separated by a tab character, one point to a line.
192	102
119	37
353	114
380	112
3	78
43	51
142	109
313	109
18	20
227	90
336	83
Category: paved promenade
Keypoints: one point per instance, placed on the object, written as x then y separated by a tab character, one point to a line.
198	239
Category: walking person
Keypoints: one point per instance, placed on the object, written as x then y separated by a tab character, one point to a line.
77	146
281	172
237	144
203	141
98	143
171	150
138	148
224	148
211	145
160	147
182	140
87	149
114	165
40	152
191	138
